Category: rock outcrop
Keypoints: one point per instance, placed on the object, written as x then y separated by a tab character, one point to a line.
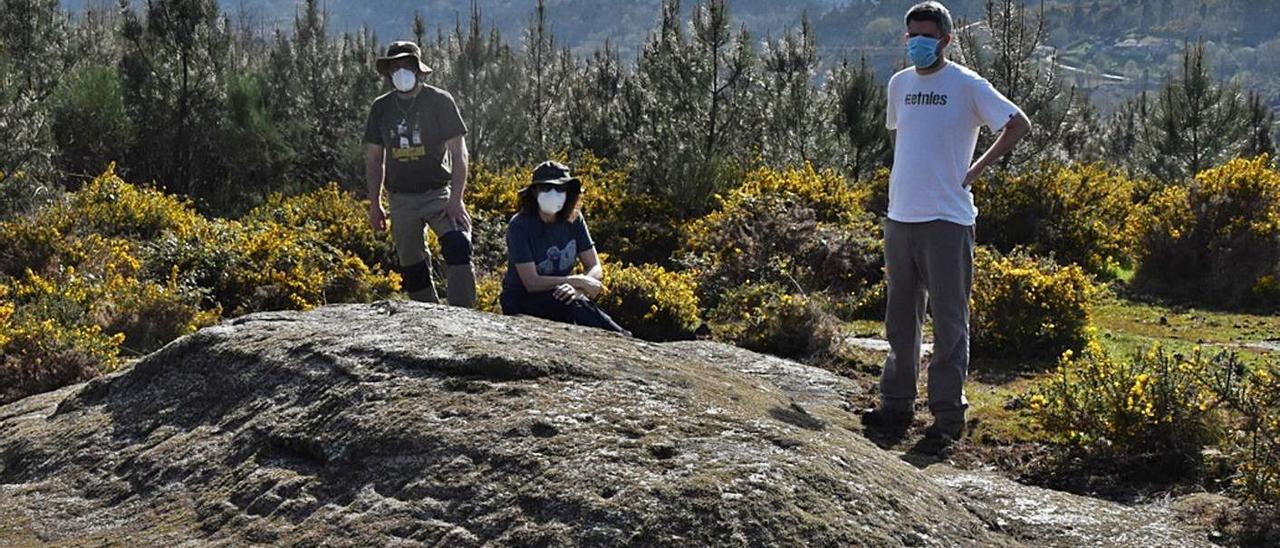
406	423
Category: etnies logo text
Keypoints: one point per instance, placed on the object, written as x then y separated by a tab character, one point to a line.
927	99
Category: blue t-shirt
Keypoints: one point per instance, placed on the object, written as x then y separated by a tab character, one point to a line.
552	247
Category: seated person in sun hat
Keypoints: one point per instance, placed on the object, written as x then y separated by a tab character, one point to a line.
546	238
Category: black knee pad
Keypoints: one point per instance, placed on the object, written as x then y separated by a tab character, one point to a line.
416	277
456	247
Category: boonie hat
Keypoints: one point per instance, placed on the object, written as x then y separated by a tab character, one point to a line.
401	49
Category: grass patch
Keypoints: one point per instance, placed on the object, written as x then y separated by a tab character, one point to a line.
1125	326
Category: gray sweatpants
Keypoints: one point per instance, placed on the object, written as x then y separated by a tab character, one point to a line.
930	261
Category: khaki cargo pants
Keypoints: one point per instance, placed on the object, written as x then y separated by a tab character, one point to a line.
411	214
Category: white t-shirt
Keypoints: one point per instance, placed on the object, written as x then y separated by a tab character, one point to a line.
937	117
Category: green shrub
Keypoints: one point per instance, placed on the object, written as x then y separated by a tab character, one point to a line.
1152	408
21	194
1027	307
89	121
488	242
765	318
651	302
638	229
1077	214
800	229
1217	240
1252	394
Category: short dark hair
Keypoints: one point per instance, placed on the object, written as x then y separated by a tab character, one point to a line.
569	213
931	11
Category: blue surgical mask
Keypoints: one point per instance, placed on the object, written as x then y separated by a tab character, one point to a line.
923	51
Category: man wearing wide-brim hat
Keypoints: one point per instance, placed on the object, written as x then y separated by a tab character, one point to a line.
417	150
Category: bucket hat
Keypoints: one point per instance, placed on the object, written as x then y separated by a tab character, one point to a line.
401	49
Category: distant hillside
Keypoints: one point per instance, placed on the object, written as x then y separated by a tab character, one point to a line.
582	24
1136	39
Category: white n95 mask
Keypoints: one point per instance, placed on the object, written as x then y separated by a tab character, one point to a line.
404	80
551	201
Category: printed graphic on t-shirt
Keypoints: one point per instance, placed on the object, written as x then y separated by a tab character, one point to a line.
406	142
558	260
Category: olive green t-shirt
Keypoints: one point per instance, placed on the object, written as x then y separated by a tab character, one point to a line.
413	133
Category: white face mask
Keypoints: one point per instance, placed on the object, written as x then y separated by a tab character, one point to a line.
551	201
404	80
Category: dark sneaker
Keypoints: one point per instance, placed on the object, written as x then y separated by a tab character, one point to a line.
937	441
884	420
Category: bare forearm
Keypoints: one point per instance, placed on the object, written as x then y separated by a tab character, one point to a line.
1003	145
373	173
458	182
540	283
1008	139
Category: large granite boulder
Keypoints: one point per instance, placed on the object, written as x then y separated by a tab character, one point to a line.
407	423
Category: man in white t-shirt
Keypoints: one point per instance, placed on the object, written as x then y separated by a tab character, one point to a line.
935	109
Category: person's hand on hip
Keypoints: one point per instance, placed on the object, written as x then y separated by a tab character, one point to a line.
975	171
457	211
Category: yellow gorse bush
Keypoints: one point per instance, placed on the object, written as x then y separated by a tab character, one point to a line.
802	229
108	206
1165	408
114	269
603	188
1079	214
1152	404
496	190
274	267
767	318
335	215
1251	184
652	302
825	191
1217	239
39	354
1251	393
1027	307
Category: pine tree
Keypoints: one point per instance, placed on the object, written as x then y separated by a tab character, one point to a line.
172	73
692	96
725	64
1261	125
546	71
484	80
859	118
793	109
597	117
32	58
1195	122
1016	62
